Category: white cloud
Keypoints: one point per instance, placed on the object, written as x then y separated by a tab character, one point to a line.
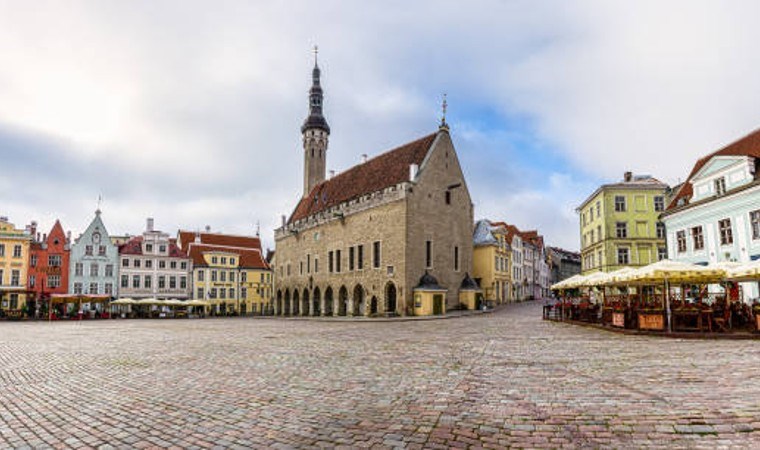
190	111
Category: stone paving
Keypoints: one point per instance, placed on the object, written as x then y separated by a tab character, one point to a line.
498	380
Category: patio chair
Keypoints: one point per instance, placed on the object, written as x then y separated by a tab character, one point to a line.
723	322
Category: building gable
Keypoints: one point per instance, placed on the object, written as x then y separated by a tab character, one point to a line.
748	146
716	164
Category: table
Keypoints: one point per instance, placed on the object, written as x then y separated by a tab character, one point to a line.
684	318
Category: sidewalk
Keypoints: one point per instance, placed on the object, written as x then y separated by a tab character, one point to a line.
456	314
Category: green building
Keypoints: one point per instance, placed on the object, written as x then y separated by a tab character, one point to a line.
620	224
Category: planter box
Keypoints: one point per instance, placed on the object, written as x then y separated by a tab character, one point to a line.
618	319
651	321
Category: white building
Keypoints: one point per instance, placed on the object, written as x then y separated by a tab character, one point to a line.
152	265
715	215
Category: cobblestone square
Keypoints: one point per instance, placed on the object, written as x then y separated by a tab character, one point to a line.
499	380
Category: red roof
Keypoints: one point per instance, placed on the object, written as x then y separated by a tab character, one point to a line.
380	172
134	247
227	240
747	146
250	258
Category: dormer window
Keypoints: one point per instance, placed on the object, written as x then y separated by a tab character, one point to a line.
149	248
720	186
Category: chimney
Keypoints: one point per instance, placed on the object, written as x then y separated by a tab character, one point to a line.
33	228
149	225
284	220
413	171
364	158
38	236
68	236
197	237
627	176
332	174
44	237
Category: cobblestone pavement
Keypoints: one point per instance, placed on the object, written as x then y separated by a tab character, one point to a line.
489	381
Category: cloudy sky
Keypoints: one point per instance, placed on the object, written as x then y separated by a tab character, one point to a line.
189	112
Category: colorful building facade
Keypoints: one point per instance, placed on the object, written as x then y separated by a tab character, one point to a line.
620	224
230	272
94	262
48	265
153	266
491	260
14	266
715	215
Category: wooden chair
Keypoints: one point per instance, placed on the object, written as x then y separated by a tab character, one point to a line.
723	323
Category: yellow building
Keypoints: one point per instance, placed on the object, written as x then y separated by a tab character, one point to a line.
229	272
491	263
620	224
14	264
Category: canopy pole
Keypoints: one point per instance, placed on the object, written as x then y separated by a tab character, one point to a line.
667	303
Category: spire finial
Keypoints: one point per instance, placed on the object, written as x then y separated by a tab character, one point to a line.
100	200
258	229
444	105
316	51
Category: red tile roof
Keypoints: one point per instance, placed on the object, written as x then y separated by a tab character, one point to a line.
227	240
380	172
250	258
134	247
749	145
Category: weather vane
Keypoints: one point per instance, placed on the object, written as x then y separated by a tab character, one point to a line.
444	105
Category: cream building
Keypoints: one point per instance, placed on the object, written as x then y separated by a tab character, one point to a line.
229	272
360	242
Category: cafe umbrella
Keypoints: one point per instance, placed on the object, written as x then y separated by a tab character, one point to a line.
668	272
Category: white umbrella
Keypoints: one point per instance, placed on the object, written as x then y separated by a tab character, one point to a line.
749	271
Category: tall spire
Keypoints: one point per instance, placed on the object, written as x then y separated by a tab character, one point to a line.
315	133
444	106
315	118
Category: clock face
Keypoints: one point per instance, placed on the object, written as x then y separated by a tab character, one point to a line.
96	237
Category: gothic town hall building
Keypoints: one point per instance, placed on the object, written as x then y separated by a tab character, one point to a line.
363	242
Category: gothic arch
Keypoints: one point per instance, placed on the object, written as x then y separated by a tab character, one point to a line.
357	302
342	301
278	305
373	306
316	300
305	302
391	301
296	302
286	304
328	301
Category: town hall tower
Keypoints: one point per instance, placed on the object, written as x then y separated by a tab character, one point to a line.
315	132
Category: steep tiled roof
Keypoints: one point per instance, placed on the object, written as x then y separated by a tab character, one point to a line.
378	173
134	247
250	258
747	146
228	240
